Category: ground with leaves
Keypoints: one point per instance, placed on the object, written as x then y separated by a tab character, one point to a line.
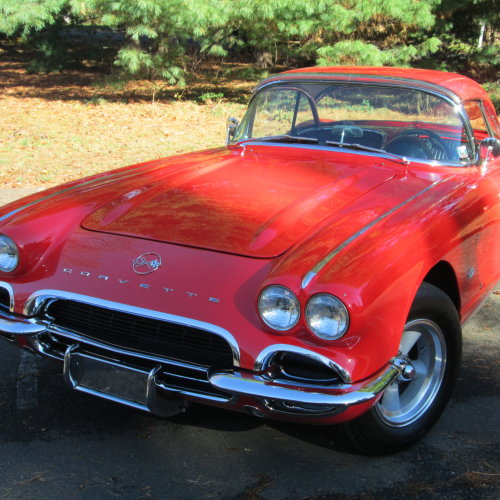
62	126
59	127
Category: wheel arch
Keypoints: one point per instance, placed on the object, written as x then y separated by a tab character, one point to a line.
443	276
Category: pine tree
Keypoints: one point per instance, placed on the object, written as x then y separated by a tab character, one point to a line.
165	38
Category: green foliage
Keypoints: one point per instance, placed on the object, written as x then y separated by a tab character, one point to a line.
21	17
355	31
469	30
38	25
169	38
96	101
493	89
350	53
208	97
53	55
367	54
160	34
249	73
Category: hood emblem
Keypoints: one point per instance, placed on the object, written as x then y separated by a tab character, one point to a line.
146	263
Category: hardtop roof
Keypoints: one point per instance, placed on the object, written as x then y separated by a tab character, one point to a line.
463	87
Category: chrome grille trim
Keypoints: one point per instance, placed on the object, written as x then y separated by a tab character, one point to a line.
74	337
38	300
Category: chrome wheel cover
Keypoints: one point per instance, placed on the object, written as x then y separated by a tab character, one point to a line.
404	401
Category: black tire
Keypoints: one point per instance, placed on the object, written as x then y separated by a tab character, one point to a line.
408	410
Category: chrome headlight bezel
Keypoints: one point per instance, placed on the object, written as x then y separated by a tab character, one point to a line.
275	293
9	254
324	306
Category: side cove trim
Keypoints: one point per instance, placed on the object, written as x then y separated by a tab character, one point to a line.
323	262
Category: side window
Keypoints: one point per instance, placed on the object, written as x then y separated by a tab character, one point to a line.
492	119
475	113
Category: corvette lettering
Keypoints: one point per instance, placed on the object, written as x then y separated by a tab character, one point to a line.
147	286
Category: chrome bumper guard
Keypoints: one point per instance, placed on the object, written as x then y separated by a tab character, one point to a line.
275	395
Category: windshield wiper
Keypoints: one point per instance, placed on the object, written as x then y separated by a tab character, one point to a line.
287	138
348	145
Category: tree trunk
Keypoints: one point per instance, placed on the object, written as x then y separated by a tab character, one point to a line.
264	59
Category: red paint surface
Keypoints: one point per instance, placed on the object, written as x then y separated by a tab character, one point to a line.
254	201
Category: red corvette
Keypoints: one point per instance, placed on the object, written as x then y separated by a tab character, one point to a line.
316	269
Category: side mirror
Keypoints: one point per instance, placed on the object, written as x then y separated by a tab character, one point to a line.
489	146
232	124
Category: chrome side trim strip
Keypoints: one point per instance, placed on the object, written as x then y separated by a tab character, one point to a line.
37	299
71	188
323	262
266	355
9	288
256	386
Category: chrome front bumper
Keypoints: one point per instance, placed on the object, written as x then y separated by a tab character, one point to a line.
262	393
21	326
256	386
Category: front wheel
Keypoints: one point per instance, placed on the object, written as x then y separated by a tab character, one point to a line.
409	407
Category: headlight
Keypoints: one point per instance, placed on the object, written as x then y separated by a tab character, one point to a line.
279	307
327	316
9	255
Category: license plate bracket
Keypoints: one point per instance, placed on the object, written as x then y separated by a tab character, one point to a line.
107	379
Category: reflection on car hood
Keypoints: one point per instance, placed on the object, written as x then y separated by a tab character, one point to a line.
253	201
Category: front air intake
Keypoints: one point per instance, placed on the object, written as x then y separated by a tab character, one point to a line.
4	299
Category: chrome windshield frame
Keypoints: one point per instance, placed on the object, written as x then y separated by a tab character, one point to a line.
431	89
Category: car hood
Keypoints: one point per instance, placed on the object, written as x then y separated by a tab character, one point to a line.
252	201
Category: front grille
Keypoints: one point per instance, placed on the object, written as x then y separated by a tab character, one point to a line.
147	335
4	299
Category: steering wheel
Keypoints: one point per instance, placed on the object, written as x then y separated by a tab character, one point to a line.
410	143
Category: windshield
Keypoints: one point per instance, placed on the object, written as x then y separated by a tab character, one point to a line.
401	121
